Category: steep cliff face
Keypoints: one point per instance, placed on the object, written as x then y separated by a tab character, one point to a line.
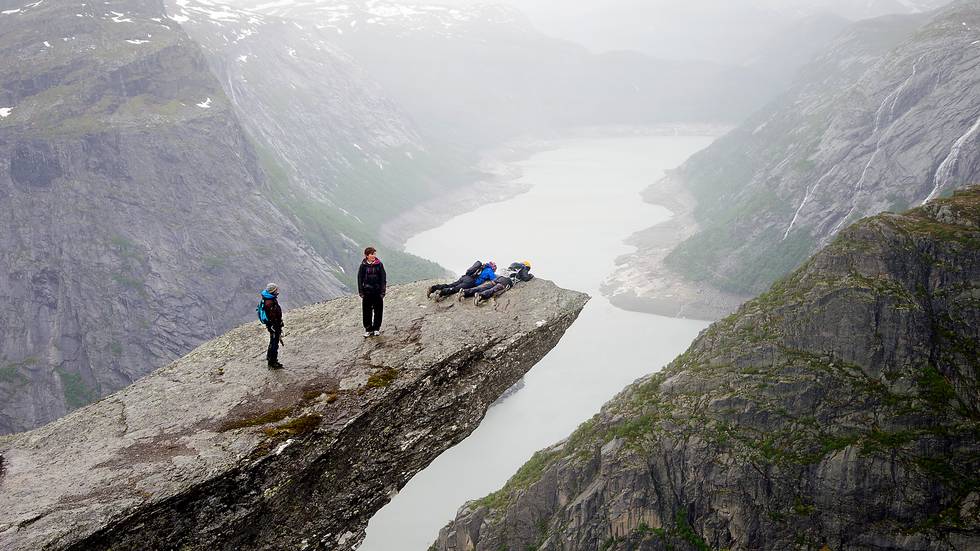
134	222
839	410
350	158
886	119
217	452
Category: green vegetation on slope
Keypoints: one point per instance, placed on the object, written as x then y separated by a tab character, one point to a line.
764	388
326	227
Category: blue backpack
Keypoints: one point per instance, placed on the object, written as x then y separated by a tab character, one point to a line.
260	311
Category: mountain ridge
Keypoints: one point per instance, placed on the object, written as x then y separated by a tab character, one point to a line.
883	120
136	222
837	410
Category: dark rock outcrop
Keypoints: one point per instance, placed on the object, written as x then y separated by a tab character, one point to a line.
839	410
217	452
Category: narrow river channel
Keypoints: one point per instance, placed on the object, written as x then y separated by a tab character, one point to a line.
571	225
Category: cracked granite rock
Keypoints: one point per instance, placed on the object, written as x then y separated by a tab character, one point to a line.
217	452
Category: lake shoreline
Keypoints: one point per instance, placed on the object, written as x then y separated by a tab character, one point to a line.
583	200
643	283
672	295
499	184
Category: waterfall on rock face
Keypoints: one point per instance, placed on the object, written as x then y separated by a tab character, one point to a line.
162	162
785	390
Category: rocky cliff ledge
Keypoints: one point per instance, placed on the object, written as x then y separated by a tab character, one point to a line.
216	452
840	410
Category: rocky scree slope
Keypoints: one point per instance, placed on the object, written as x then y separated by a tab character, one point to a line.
217	452
885	119
134	222
838	410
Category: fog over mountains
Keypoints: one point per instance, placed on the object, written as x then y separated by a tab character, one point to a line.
884	119
164	160
161	160
713	30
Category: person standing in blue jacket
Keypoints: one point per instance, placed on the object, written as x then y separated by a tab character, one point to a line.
273	322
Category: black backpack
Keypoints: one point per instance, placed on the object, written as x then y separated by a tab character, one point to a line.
520	272
475	269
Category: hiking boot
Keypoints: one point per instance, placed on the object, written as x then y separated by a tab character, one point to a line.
477	299
275	365
460	296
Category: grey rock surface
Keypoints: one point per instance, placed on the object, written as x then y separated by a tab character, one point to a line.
135	222
839	410
216	452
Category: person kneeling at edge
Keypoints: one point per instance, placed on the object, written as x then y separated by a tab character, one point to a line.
270	313
372	284
490	289
465	281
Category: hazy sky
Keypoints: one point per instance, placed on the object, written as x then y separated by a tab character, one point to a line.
719	30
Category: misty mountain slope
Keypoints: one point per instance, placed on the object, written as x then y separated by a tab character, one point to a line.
723	32
839	410
886	119
134	223
781	56
479	75
346	157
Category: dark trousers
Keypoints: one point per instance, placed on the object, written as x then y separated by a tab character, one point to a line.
275	333
478	289
447	289
487	290
372	308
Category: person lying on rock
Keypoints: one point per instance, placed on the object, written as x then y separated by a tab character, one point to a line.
465	281
518	271
487	290
488	273
270	313
372	284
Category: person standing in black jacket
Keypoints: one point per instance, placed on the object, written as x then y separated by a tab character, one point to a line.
372	284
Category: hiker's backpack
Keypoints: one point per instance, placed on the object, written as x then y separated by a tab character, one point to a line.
475	269
260	312
520	272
